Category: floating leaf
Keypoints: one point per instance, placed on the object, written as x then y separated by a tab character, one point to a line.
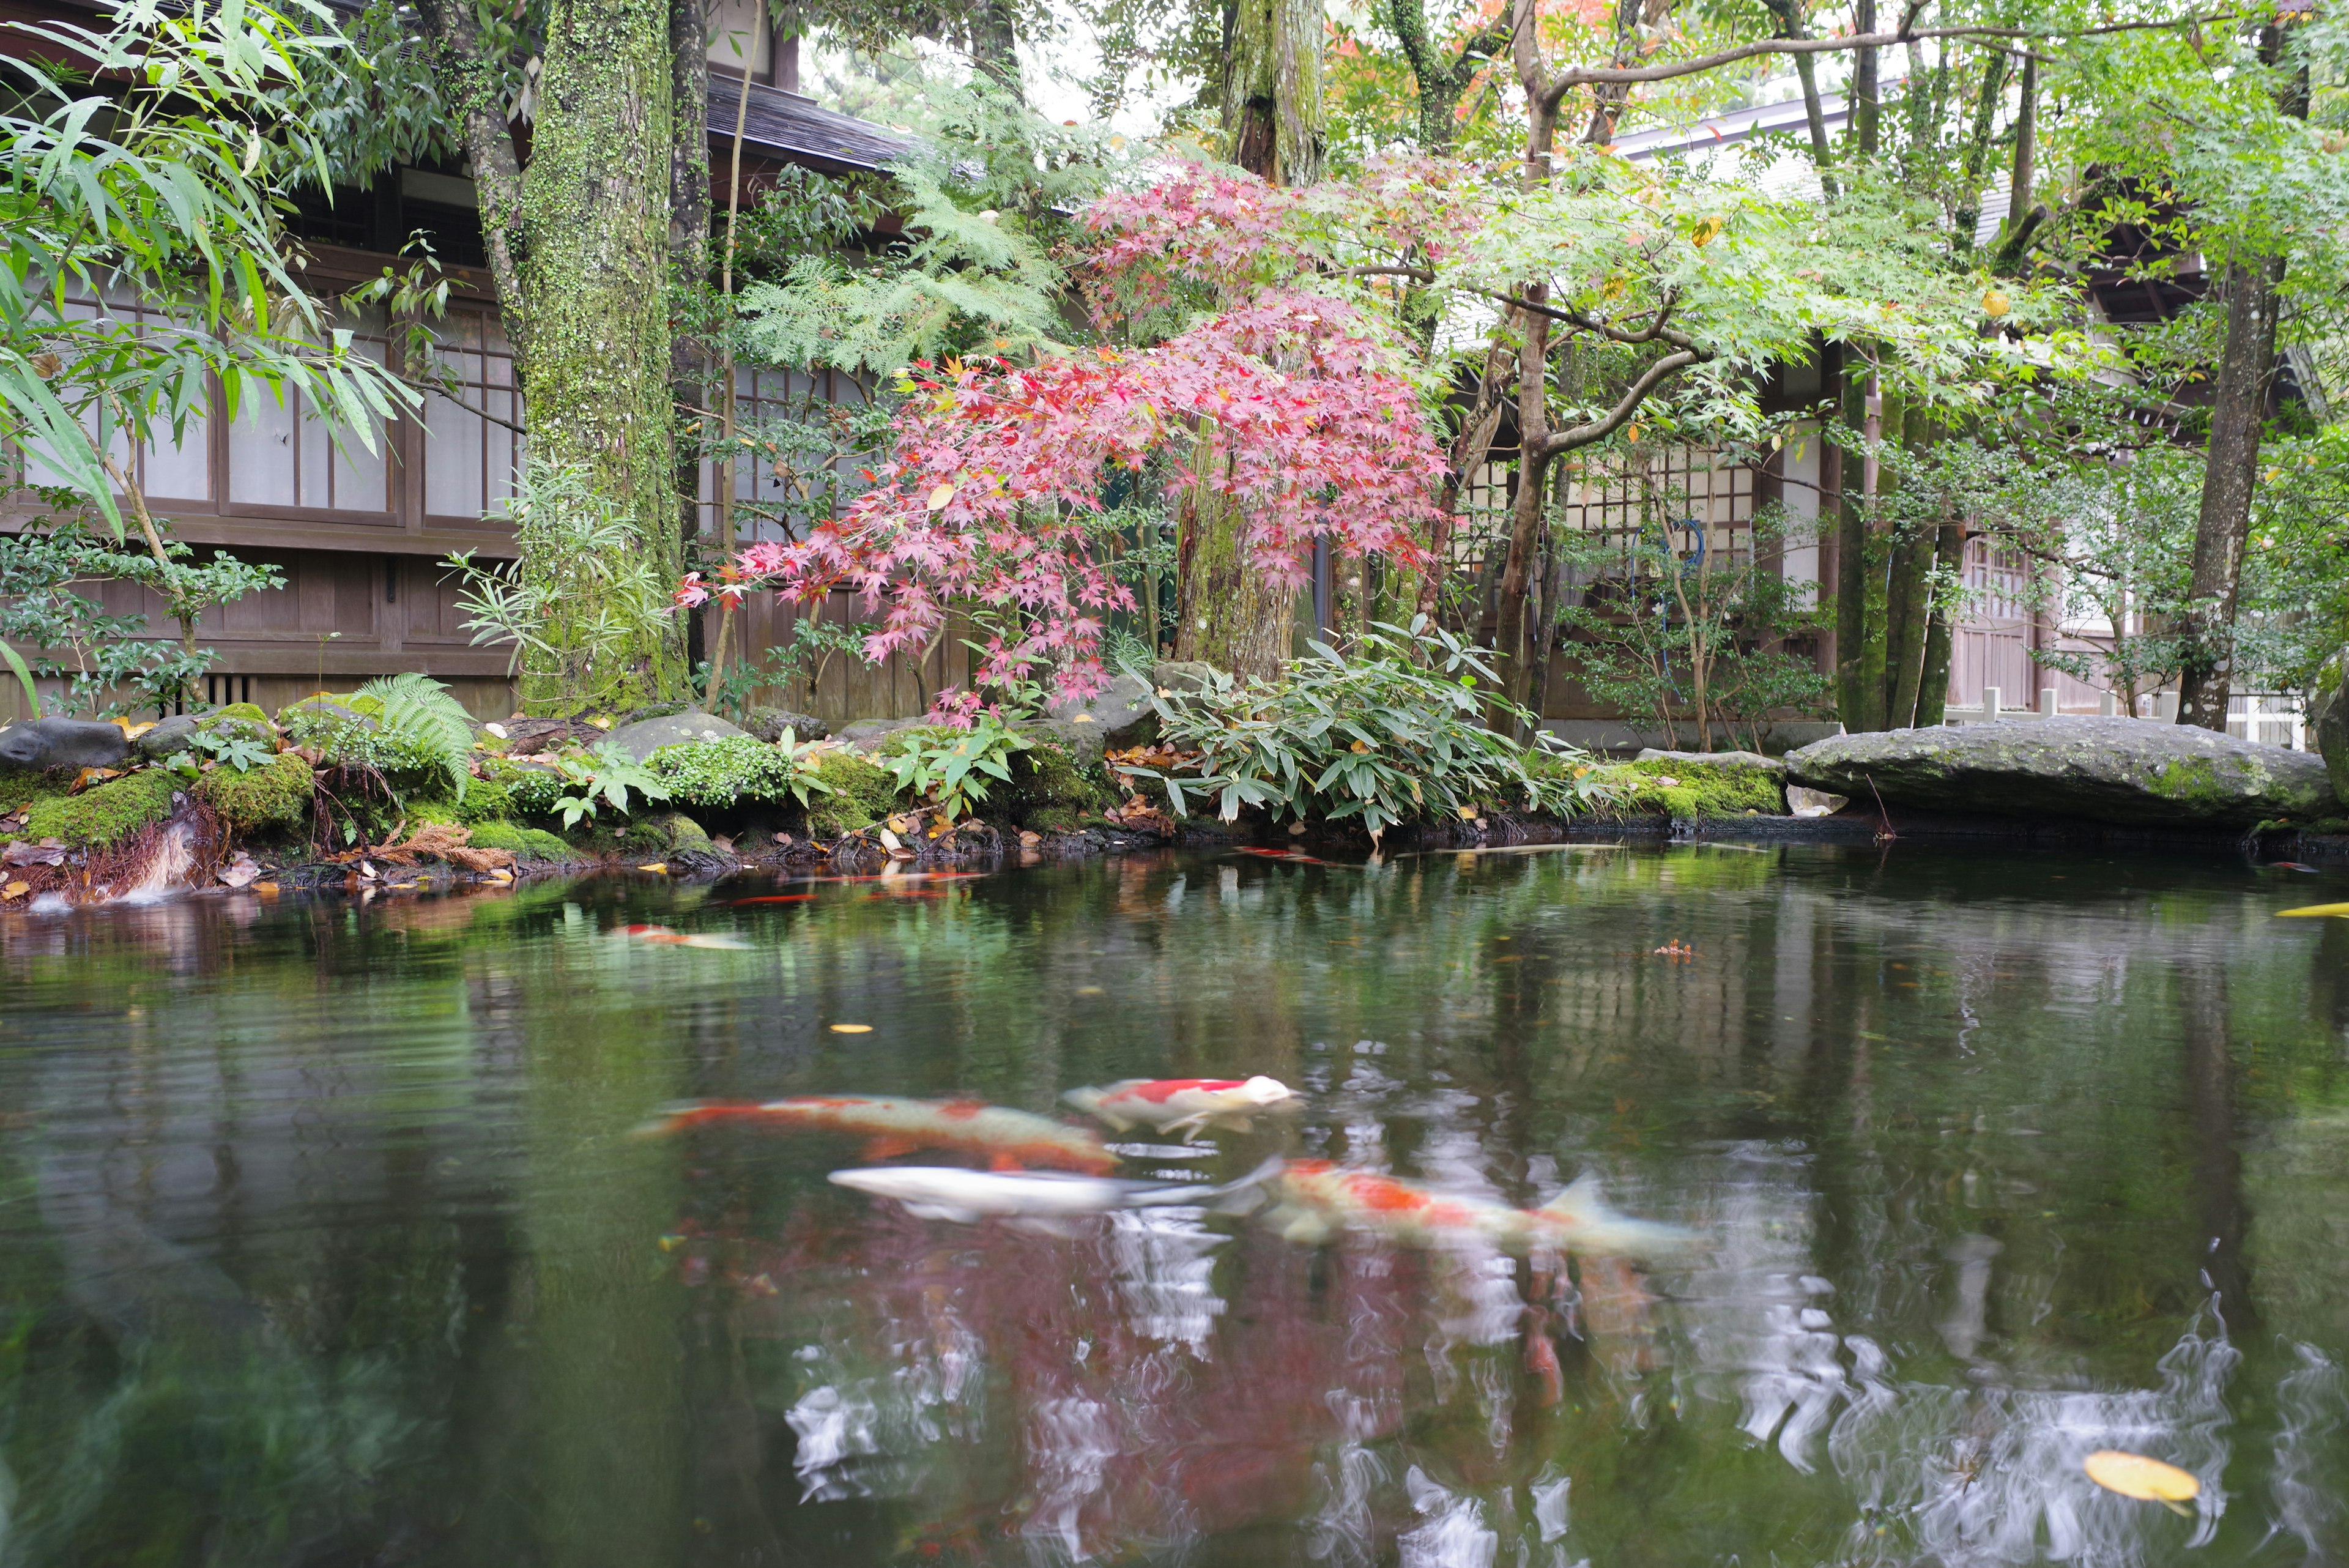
852	1029
658	866
2147	1480
2316	909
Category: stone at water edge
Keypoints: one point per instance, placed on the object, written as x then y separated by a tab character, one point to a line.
768	723
1118	715
47	743
645	736
2328	719
2134	771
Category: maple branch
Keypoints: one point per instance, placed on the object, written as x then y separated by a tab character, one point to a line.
1559	442
1554	91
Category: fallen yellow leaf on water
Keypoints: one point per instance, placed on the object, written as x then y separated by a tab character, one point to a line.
655	865
852	1029
2147	1480
2316	909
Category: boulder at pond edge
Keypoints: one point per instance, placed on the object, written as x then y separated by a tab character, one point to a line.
49	743
645	736
2135	771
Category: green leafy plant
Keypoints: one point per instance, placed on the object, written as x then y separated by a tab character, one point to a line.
951	767
606	780
421	720
739	768
1373	735
236	750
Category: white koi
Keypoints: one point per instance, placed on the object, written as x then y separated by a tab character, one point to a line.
1188	1105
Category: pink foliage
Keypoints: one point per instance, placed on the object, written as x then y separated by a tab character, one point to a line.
1286	401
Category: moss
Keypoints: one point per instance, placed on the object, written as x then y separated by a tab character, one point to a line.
486	800
1051	791
23	789
528	842
863	792
528	790
1698	790
2191	779
669	833
107	815
274	794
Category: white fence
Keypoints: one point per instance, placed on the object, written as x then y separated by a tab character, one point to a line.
2271	718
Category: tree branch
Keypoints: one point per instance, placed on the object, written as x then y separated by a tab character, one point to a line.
1671	365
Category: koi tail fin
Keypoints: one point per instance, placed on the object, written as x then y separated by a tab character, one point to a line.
1089	1101
1591	1227
675	1118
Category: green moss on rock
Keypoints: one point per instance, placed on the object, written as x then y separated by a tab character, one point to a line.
276	795
1697	790
531	843
669	833
23	789
107	815
863	792
1051	791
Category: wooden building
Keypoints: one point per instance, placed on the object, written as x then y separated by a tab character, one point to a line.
360	537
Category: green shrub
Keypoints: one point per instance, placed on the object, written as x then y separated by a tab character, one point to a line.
738	770
949	766
105	814
1393	732
532	843
407	727
1698	790
274	794
529	789
862	794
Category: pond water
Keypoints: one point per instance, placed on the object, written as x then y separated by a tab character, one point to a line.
323	1240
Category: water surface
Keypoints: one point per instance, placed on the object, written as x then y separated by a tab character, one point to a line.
323	1240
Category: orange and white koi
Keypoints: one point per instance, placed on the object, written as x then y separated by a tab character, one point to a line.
1006	1139
1319	1198
1190	1105
662	937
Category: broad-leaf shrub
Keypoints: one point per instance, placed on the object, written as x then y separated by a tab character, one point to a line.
1371	735
951	766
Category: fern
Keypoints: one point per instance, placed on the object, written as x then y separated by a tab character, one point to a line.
421	717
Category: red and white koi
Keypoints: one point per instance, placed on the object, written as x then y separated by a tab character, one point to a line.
1006	1139
1189	1105
662	937
1319	1198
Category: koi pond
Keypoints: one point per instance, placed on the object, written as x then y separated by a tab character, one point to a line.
331	1233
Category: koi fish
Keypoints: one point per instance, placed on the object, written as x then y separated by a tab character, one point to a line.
2318	909
1188	1104
1317	1198
1294	856
661	936
2289	866
772	898
1006	1139
1044	1199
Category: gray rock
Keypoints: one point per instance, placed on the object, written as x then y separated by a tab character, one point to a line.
2128	771
768	723
1715	759
2328	719
1188	675
46	743
1119	714
167	738
645	736
871	734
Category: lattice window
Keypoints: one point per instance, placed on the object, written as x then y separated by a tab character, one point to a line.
783	498
282	454
1636	495
164	469
471	447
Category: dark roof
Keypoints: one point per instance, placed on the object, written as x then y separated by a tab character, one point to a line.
796	130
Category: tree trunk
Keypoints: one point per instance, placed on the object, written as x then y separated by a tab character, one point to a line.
688	271
2237	409
1274	124
1866	107
1949	555
995	46
1232	616
596	206
1858	700
1789	17
1514	658
1968	212
470	89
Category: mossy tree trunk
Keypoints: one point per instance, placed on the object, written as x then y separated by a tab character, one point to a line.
578	241
688	271
1232	616
595	210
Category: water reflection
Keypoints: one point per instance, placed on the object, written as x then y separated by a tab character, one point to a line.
322	1240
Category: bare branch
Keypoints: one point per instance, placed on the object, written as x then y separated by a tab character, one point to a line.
1621	414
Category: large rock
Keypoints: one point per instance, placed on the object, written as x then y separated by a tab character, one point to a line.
872	734
2132	771
2328	719
46	743
1118	715
645	736
768	723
